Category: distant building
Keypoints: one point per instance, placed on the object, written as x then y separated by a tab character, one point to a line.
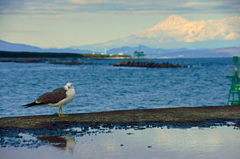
105	51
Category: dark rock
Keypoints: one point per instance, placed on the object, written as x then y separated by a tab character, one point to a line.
122	63
178	65
29	61
74	62
117	64
152	64
157	65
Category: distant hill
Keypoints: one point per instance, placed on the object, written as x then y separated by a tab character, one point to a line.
6	46
8	54
176	53
127	50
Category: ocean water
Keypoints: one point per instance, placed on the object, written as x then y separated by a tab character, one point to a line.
104	87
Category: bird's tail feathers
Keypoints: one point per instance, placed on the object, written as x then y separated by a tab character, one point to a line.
33	104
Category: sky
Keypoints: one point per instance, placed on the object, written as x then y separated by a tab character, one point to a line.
65	23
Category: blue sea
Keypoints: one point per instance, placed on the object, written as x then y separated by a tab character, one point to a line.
103	87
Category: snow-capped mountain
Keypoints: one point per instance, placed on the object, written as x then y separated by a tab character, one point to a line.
177	32
201	38
182	30
171	22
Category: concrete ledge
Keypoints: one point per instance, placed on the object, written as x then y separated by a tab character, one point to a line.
164	115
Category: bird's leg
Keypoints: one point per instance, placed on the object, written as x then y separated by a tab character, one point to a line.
61	115
59	112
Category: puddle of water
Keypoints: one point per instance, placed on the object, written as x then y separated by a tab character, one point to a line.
133	142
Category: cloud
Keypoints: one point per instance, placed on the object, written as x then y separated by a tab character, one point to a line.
182	30
118	6
117	2
175	32
88	1
203	4
232	36
25	31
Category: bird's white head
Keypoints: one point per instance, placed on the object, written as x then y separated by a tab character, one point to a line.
69	86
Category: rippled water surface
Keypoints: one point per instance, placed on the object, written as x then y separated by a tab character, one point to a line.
105	87
135	142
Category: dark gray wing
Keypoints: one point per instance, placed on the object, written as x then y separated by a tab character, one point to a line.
52	97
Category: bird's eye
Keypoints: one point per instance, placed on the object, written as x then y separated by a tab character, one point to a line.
69	87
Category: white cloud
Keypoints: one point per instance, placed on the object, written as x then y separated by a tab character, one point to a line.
88	1
191	31
203	4
119	6
122	2
232	36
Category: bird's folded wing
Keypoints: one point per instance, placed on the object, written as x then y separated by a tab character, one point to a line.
52	97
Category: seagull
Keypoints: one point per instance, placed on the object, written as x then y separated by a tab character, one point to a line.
57	98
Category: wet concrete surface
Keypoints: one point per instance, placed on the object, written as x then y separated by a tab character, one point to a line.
125	134
185	115
13	137
211	139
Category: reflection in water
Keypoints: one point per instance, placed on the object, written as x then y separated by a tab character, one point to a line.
125	141
63	142
215	142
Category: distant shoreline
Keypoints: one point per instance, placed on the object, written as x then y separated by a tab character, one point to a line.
183	115
50	55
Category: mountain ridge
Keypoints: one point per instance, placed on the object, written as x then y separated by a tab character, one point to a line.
7	46
178	53
175	32
129	50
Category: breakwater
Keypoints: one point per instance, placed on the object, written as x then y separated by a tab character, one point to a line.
73	62
149	64
185	115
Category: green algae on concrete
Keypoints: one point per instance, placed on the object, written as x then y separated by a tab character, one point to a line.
165	115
